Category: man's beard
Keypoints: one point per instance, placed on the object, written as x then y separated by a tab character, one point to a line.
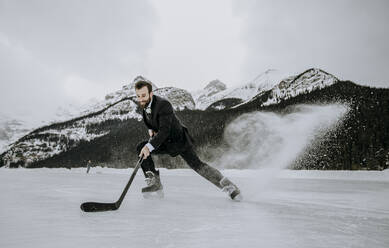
145	103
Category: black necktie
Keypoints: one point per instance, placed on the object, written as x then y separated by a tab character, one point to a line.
148	116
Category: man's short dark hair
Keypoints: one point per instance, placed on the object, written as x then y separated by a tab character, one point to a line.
140	84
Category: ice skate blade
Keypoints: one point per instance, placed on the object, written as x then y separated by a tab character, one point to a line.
238	198
154	195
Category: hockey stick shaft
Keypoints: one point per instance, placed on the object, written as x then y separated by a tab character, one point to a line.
119	202
99	206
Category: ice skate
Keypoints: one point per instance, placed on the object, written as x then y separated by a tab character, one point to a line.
231	189
154	188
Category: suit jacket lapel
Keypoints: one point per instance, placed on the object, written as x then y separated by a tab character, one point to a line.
149	118
153	114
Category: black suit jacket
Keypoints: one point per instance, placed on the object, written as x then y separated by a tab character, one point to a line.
172	136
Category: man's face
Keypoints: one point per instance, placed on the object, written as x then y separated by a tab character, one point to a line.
143	96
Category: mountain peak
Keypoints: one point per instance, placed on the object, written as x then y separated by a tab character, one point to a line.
270	71
203	97
315	70
307	81
140	78
179	98
216	90
266	80
131	86
215	84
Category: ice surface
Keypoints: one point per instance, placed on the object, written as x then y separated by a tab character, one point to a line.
40	208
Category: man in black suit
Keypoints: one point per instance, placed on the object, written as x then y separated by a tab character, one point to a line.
169	136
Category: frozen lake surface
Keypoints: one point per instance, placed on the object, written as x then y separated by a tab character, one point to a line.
40	208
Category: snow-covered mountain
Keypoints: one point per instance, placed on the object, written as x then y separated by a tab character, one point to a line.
94	121
13	128
59	137
10	131
305	82
179	98
203	97
214	95
127	91
277	84
56	138
71	126
216	91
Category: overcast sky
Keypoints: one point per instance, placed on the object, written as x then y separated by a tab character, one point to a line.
53	53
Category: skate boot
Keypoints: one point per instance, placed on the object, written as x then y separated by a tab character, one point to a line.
154	187
231	189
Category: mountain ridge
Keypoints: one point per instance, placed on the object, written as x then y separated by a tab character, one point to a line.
109	134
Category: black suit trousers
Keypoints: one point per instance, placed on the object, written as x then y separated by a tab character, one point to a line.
190	157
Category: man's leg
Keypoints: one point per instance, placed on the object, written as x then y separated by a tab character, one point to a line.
152	177
211	174
147	164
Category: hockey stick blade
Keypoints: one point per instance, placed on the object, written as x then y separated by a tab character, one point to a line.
98	206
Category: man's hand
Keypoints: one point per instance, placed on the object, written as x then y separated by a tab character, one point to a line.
144	152
152	133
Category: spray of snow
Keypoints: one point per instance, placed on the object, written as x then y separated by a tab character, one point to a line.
271	142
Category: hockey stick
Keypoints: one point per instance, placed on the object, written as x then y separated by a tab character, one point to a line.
99	206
